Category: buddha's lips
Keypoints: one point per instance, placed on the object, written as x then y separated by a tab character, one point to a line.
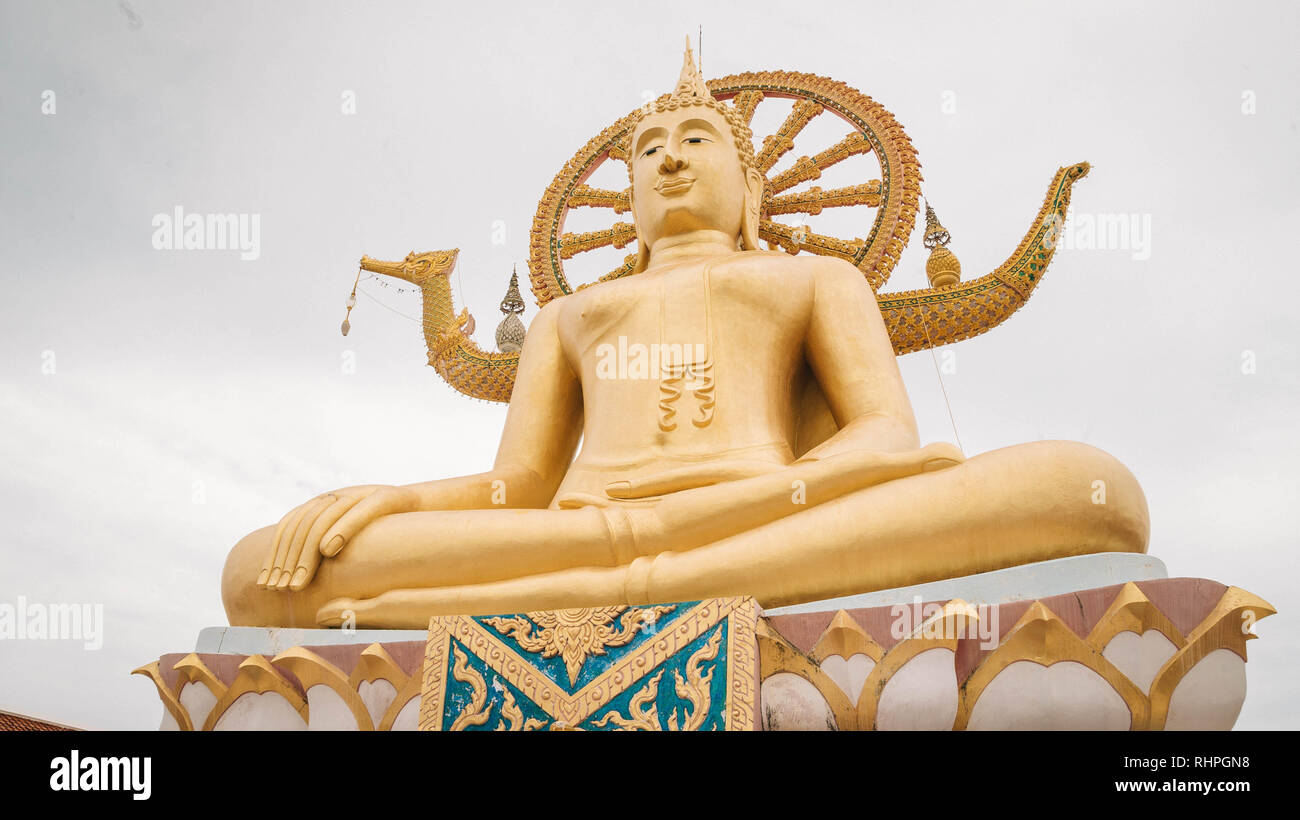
673	186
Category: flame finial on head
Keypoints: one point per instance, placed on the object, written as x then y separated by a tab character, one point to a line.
692	90
690	85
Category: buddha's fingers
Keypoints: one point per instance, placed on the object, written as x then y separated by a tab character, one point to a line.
387	501
280	543
269	563
286	538
302	535
308	560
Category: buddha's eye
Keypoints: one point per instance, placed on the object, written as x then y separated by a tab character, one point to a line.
695	140
650	151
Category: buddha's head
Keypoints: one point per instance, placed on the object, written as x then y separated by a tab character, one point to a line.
691	163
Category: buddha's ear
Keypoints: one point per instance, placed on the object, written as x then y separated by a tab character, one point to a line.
753	202
642	250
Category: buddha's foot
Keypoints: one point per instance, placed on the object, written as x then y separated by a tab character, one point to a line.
343	612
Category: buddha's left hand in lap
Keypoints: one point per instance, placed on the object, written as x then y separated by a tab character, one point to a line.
691	517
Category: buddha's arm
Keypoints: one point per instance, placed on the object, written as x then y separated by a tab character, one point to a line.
848	349
541	433
544	422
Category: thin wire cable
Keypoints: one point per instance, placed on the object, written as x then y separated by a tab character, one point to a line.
393	310
952	419
460	290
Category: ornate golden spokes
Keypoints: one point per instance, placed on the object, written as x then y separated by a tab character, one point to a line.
871	130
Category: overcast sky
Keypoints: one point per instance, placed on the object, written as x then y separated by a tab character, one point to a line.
156	405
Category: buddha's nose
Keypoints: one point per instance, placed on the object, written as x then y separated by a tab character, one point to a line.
672	164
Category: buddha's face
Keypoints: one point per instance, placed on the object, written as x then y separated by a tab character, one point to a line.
686	174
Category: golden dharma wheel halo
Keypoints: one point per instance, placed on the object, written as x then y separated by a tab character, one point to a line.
870	129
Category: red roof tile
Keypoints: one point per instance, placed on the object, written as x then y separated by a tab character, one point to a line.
10	722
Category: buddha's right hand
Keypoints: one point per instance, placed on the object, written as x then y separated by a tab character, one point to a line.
296	547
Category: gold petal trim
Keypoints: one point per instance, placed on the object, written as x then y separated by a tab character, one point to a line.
1227	626
1042	638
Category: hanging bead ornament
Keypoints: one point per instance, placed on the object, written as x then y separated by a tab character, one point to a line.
352	302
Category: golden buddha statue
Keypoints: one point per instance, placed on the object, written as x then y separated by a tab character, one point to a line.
765	445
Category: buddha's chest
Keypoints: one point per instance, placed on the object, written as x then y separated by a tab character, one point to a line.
694	313
700	351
